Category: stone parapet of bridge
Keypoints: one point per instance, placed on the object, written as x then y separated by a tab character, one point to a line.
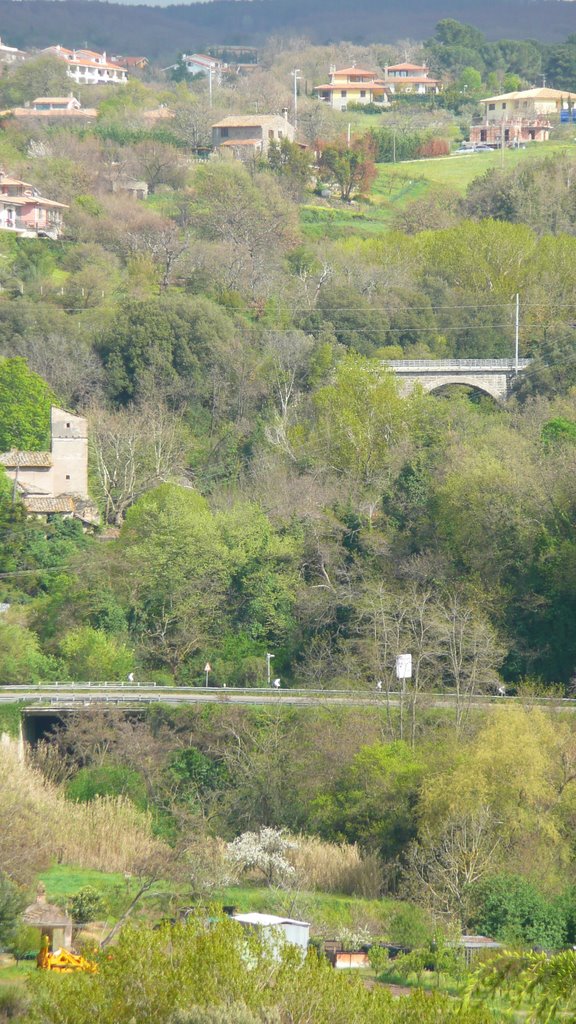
492	376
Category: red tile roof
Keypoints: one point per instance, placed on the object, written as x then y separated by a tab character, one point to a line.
407	67
15	458
353	71
64	503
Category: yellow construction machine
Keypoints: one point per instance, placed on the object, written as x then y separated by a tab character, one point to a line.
61	960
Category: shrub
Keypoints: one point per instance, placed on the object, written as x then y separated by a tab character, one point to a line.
434	147
410	925
11	904
107	780
93	654
237	1013
26	940
510	908
86	905
13	1004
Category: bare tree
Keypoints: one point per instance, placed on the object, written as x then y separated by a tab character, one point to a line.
471	652
164	243
134	449
192	123
288	353
442	867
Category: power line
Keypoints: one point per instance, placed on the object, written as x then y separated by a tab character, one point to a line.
33	572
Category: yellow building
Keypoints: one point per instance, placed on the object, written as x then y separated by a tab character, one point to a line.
516	118
352	85
529	103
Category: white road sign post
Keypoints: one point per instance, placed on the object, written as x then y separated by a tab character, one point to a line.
207	669
404	666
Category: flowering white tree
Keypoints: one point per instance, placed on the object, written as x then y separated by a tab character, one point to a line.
266	852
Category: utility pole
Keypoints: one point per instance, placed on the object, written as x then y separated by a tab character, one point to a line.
516	333
268	673
210	85
296	77
502	133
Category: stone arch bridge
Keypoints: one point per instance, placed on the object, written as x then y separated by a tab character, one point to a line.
494	377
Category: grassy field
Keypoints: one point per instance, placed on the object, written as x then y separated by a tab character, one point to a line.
16	974
326	912
457	170
63	882
364	219
397	185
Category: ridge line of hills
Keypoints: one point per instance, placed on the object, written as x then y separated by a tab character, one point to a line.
159	32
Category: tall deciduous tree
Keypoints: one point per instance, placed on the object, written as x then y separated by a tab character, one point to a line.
25	401
134	450
350	165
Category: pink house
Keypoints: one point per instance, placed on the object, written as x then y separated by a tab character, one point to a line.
27	213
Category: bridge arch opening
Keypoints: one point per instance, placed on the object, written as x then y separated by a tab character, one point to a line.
474	391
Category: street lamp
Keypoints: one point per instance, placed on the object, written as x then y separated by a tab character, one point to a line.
296	77
268	673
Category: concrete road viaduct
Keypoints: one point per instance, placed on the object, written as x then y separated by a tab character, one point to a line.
494	377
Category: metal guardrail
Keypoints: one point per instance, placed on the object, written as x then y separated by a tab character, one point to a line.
84	694
456	364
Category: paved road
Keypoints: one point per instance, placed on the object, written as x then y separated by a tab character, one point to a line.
74	695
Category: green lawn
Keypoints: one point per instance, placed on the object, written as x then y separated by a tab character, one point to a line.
397	185
16	974
63	882
340	220
324	910
327	912
457	171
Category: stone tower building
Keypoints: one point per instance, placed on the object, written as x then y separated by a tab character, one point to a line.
55	481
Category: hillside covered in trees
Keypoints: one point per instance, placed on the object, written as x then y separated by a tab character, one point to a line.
161	32
267	491
266	485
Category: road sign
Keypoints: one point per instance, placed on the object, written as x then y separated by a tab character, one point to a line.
207	667
404	666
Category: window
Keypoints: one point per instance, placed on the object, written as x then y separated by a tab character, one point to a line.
280	134
343	94
503	106
270	133
362	93
68	426
224	132
491	106
67	476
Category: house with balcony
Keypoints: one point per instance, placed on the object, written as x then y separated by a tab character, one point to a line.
87	67
411	78
352	85
525	116
25	212
250	135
